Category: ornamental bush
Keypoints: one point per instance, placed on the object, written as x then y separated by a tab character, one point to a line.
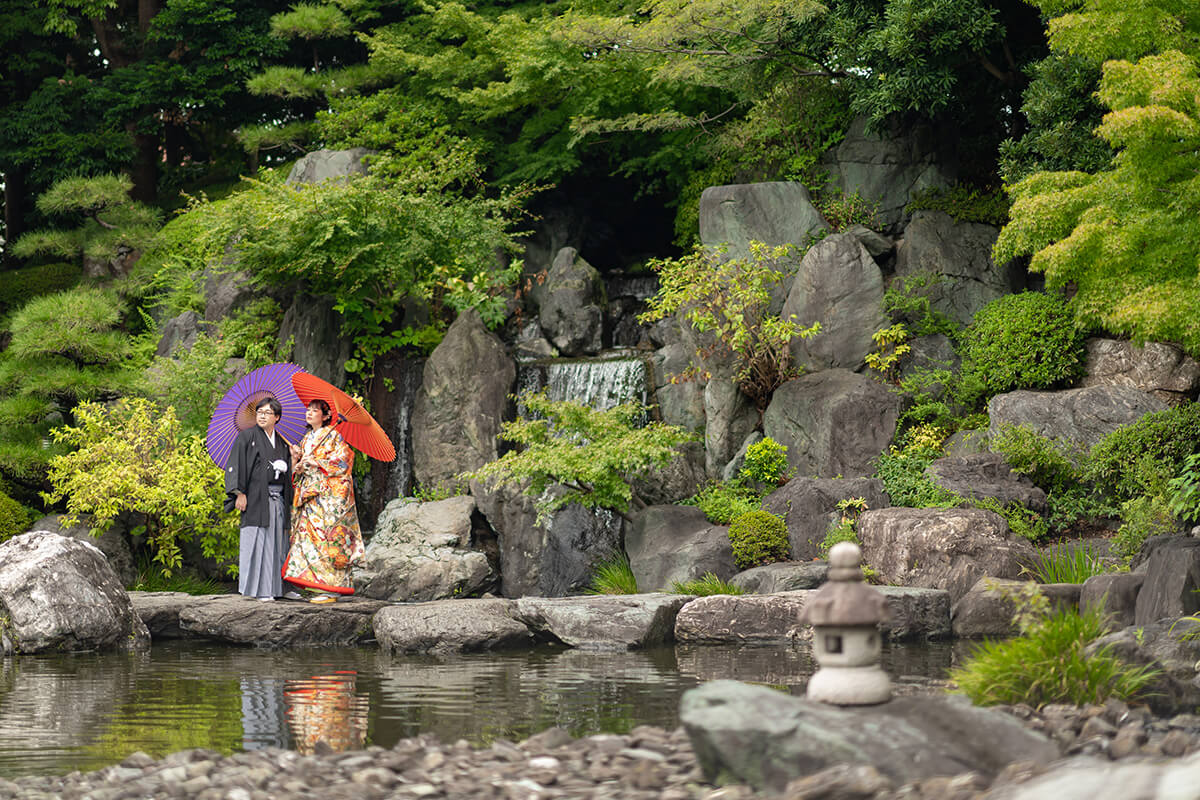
14	519
766	462
757	538
1136	459
1023	341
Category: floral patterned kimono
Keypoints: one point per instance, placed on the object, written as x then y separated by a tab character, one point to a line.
326	539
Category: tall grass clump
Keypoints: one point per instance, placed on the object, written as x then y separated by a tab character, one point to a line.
1065	565
613	576
707	584
1046	662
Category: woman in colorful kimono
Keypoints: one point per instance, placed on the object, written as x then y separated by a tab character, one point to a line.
326	539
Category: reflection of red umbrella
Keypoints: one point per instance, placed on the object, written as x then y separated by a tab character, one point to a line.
235	411
351	420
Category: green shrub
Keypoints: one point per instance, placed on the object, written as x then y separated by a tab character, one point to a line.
14	519
840	531
19	286
757	538
1133	460
908	300
766	463
1023	341
708	584
902	471
723	502
1021	521
613	576
1046	664
1046	462
963	203
1142	517
151	578
1184	489
843	211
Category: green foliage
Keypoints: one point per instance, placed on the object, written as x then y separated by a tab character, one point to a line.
962	203
152	578
1046	664
14	519
1020	520
1141	518
902	470
613	576
843	211
1184	490
757	538
1023	341
594	455
1122	235
192	382
112	222
19	286
722	502
907	301
1135	459
398	265
841	531
134	457
1050	464
706	585
1065	564
727	301
766	463
892	344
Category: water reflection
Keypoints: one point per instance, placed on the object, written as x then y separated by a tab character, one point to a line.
66	712
325	708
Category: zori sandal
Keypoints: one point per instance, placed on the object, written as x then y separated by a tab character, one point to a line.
321	599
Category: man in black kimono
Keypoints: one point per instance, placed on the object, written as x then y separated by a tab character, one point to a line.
258	483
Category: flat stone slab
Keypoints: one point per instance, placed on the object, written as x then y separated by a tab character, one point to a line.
235	619
625	621
467	625
775	618
765	738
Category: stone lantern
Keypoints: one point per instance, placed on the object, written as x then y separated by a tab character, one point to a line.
845	614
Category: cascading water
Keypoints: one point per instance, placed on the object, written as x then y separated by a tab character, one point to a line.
600	383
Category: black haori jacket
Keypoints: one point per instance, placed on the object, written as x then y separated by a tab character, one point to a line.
249	471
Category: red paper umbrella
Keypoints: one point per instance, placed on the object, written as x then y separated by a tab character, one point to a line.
235	411
357	427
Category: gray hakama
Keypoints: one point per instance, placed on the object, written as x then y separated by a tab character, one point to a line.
261	552
264	540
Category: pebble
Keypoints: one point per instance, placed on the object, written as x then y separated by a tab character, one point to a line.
647	764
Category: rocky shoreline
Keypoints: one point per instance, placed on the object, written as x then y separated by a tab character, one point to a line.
1126	746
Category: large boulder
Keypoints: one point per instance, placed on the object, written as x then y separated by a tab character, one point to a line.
958	258
1087	777
729	418
986	475
113	542
1115	593
834	423
572	302
887	168
59	594
679	402
774	213
314	329
1161	646
322	165
840	286
809	507
1081	417
988	608
765	738
678	479
782	576
233	619
450	626
180	333
1161	369
1172	585
548	555
422	551
940	548
461	403
671	543
620	622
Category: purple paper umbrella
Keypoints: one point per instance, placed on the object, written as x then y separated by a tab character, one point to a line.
235	411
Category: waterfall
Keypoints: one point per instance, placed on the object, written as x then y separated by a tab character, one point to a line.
392	398
601	382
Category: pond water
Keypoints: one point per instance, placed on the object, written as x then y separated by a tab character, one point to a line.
82	712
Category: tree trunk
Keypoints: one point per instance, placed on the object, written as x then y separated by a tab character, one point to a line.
145	165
